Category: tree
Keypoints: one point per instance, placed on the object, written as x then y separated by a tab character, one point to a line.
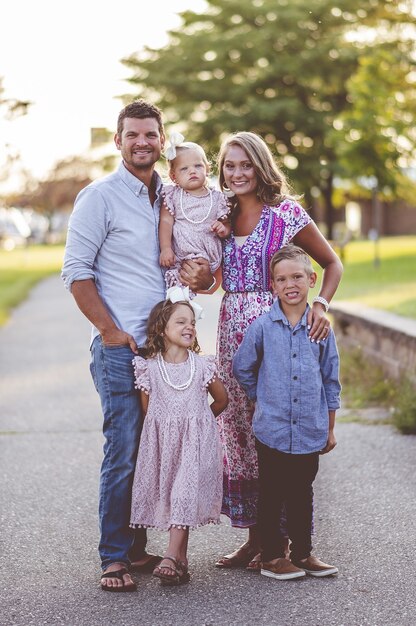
59	190
10	109
379	127
281	68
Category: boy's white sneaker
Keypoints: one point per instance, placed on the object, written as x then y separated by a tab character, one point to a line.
282	569
315	567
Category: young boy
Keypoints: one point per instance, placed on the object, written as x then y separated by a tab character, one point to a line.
294	383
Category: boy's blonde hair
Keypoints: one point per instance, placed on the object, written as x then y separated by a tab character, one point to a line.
291	253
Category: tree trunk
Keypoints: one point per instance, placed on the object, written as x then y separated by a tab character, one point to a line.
327	190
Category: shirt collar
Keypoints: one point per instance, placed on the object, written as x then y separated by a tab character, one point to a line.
134	183
277	314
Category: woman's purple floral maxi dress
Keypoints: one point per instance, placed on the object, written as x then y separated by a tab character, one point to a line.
246	282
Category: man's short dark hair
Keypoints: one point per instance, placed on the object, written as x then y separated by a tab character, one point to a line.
139	109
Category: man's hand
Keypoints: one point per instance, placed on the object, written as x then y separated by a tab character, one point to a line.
196	274
117	337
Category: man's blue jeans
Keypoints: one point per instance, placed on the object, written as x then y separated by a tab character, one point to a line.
112	372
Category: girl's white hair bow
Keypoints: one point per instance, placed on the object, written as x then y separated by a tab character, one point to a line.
175	139
181	294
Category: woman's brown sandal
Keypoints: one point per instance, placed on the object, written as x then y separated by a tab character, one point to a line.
255	564
239	558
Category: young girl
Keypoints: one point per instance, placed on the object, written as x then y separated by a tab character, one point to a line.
195	216
178	478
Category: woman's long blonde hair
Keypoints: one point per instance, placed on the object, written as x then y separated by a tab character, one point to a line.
273	186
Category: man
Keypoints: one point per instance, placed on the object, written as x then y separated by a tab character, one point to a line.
111	266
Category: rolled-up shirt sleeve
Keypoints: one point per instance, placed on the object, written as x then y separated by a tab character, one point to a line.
87	230
330	372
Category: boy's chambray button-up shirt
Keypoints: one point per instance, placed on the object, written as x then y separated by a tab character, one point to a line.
113	239
293	381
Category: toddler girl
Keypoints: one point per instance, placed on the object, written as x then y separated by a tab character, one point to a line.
195	216
178	478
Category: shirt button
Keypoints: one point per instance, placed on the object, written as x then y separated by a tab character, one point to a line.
295	400
294	332
295	378
294	421
294	355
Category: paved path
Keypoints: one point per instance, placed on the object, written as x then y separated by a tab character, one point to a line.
50	452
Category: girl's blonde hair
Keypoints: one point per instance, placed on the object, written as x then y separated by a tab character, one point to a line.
188	145
156	324
273	186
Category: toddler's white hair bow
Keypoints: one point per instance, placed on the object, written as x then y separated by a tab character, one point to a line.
175	139
181	294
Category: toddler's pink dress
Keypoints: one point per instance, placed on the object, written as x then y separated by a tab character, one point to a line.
178	477
192	235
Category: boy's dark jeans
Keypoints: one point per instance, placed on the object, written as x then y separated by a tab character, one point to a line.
285	478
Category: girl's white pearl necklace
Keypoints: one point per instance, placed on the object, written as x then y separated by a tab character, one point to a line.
188	218
165	375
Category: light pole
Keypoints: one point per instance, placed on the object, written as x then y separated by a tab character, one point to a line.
371	183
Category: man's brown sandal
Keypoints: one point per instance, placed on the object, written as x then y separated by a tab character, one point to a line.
119	573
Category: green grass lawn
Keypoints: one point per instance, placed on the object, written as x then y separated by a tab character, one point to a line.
390	286
21	269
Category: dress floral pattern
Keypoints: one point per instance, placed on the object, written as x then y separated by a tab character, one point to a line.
191	240
246	282
178	477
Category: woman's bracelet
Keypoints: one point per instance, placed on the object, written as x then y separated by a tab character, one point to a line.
322	301
214	282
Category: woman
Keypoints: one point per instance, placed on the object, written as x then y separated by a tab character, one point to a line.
264	218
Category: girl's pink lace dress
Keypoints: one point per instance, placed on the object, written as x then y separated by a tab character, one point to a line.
178	477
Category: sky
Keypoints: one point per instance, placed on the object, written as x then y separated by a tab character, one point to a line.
65	58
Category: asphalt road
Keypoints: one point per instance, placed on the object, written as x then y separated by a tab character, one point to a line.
50	453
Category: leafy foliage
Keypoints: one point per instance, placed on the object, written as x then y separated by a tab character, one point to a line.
10	107
301	73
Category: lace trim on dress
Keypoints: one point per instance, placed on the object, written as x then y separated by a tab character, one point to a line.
210	370
167	193
207	384
215	522
141	374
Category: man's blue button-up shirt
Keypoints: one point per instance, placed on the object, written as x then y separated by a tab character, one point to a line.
293	381
113	239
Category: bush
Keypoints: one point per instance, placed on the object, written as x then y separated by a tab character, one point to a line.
364	386
404	417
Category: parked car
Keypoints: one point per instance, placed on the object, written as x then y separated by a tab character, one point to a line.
38	224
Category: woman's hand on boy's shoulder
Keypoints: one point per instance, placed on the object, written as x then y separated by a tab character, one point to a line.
318	323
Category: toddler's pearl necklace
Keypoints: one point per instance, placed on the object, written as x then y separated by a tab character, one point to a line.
188	218
165	375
